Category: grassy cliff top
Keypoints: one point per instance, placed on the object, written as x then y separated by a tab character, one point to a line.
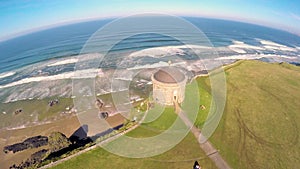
260	125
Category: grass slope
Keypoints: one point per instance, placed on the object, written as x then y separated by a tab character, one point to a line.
260	125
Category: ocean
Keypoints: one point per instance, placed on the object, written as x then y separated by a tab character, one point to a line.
47	54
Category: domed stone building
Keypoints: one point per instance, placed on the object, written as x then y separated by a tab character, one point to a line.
168	85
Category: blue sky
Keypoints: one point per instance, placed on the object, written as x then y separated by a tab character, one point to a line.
21	16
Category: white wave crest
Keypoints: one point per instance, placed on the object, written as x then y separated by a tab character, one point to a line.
158	52
7	74
276	46
238	47
63	62
80	74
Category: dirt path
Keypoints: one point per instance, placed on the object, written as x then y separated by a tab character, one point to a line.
207	147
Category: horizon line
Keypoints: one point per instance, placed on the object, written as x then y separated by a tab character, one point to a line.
75	21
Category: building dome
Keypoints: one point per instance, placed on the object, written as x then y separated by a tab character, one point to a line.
169	75
168	86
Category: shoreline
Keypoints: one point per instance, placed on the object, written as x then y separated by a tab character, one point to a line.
69	76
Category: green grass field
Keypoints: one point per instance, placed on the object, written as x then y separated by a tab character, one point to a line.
260	125
181	156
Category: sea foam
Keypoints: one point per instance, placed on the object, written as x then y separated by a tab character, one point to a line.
63	62
7	74
87	73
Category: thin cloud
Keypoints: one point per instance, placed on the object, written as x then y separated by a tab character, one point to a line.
297	17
